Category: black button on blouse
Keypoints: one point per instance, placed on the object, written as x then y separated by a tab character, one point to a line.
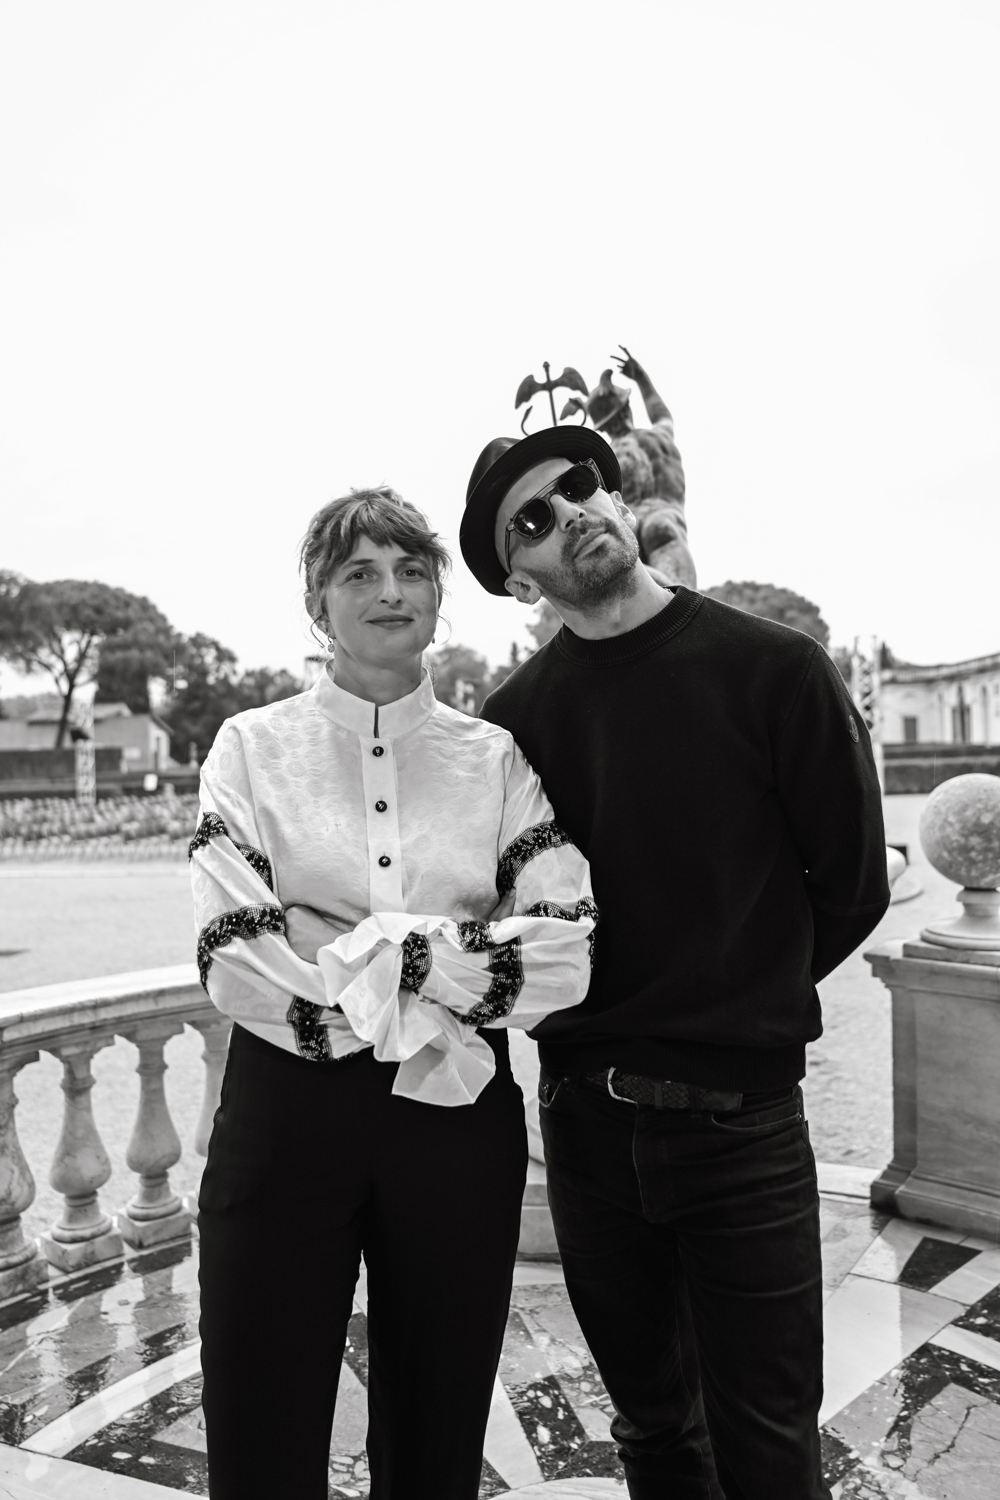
384	861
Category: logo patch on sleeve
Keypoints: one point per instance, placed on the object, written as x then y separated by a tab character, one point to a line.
852	728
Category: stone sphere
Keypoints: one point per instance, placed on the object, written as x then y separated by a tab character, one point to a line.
960	830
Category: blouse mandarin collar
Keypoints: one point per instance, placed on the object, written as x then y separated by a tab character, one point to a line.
358	715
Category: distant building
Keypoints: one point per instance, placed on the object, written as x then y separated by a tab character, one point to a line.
953	703
143	739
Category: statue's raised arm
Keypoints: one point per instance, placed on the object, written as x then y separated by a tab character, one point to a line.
656	407
652	471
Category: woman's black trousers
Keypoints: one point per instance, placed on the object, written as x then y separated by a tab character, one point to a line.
311	1165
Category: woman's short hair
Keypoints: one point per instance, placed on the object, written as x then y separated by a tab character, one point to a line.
379	514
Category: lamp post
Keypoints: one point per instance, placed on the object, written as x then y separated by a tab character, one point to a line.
83	747
866	688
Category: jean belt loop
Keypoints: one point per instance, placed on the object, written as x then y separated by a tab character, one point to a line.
658	1094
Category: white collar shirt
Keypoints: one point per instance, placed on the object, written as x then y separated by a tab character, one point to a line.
407	824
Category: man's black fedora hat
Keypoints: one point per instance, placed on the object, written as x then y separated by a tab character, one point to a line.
502	462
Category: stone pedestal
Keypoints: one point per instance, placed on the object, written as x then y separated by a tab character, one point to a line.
141	1233
26	1276
946	1085
77	1255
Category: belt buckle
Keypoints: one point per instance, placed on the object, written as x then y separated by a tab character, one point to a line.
622	1098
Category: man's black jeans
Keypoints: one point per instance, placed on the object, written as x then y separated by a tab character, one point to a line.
690	1243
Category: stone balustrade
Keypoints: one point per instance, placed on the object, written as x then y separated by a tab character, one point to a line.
74	1022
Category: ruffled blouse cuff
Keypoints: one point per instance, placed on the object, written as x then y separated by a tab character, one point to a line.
440	1060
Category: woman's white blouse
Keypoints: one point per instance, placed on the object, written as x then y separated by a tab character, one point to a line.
408	823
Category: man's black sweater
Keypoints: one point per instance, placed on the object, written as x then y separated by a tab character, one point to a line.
714	770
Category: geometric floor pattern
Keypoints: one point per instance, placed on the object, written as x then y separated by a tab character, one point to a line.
100	1384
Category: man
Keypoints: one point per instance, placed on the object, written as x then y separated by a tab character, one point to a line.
682	1185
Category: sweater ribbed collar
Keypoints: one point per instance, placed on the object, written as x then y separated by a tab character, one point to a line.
358	715
612	650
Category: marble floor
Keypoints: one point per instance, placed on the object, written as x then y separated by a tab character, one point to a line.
100	1383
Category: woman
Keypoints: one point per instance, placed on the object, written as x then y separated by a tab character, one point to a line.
380	890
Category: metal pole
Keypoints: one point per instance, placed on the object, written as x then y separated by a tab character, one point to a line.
552	401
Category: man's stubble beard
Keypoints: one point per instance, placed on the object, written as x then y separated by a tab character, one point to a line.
594	580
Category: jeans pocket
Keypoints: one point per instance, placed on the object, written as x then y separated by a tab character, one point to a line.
761	1122
548	1088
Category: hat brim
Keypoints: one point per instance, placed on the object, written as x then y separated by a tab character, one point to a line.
476	535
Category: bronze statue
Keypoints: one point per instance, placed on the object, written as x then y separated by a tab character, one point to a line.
529	387
652	471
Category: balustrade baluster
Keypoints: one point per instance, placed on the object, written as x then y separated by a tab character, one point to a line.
21	1266
85	1235
155	1212
215	1034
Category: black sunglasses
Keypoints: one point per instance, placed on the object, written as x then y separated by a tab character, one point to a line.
536	517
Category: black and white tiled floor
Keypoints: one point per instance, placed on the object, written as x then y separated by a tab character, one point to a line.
100	1385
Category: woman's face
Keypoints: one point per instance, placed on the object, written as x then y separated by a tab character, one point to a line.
382	604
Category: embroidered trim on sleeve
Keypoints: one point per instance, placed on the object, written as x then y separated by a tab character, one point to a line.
505	967
416	961
246	922
212	827
258	861
519	851
311	1036
585	907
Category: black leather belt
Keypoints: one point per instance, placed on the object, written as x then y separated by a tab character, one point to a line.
662	1093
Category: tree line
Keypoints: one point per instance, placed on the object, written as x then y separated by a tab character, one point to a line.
79	632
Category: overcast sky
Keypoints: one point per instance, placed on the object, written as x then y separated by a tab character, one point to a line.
252	254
